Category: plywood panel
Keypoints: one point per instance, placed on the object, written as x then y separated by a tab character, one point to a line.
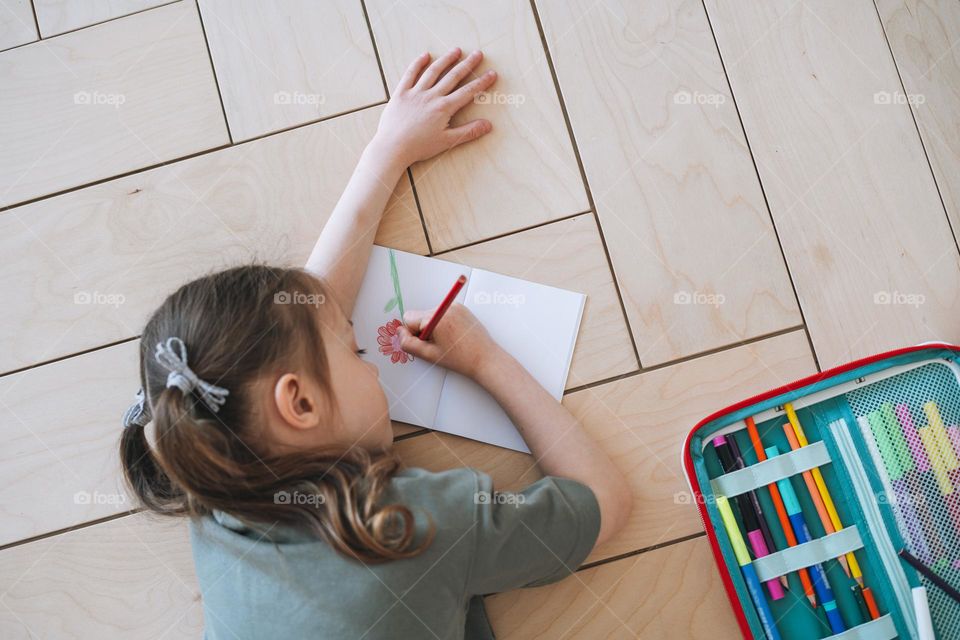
673	592
128	578
60	464
524	172
16	24
57	16
567	254
641	422
86	268
679	201
280	64
106	100
855	204
923	35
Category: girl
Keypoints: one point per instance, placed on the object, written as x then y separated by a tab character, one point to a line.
272	433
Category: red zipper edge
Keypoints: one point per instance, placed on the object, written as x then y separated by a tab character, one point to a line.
791	386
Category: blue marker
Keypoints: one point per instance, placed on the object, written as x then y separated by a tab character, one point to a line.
746	566
818	576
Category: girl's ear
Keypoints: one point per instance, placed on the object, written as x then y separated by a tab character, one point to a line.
297	402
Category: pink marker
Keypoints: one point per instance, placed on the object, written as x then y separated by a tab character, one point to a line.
752	524
913	438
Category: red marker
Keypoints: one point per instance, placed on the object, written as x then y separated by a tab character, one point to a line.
442	309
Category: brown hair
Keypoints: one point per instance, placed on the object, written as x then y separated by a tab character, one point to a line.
235	331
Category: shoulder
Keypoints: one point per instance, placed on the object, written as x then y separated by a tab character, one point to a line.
450	491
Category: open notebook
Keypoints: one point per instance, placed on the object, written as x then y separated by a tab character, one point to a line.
535	323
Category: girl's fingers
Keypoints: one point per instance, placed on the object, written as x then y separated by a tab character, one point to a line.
465	94
450	81
410	76
469	131
439	65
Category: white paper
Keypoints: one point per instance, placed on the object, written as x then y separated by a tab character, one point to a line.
535	323
413	388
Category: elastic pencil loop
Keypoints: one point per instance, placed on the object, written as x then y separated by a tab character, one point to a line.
172	355
137	414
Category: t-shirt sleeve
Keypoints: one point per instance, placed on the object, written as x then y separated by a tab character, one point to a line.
532	537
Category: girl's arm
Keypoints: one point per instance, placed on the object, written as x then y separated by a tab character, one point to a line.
415	126
559	444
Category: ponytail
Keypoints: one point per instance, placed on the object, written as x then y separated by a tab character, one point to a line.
206	458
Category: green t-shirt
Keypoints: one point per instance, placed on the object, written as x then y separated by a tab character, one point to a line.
287	585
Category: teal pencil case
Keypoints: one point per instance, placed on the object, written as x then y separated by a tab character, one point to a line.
832	504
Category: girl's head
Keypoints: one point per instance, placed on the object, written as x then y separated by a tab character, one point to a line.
291	407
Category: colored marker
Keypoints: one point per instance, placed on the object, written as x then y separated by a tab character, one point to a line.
815	494
820	582
746	567
755	500
781	511
750	510
895	487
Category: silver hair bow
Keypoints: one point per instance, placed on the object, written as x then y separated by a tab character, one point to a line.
172	355
137	414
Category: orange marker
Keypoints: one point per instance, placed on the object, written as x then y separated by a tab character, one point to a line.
781	511
814	494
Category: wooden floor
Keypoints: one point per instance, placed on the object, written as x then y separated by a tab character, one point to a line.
747	192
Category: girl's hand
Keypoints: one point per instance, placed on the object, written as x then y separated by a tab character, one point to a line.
459	342
415	124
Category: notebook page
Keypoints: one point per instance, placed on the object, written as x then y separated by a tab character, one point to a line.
412	387
536	324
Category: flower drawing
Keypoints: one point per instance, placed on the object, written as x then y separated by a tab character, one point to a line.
389	342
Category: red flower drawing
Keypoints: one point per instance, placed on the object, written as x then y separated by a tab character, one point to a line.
389	343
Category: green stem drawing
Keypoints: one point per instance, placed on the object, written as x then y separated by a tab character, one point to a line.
397	299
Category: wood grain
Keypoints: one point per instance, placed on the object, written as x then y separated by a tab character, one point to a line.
856	207
524	172
128	578
679	201
102	101
641	422
86	268
16	24
285	63
923	35
567	254
57	16
60	465
672	592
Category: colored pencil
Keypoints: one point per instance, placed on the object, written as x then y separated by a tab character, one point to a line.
442	309
820	581
849	564
781	511
746	567
930	575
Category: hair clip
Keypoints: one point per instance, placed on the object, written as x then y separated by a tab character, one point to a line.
137	413
172	355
